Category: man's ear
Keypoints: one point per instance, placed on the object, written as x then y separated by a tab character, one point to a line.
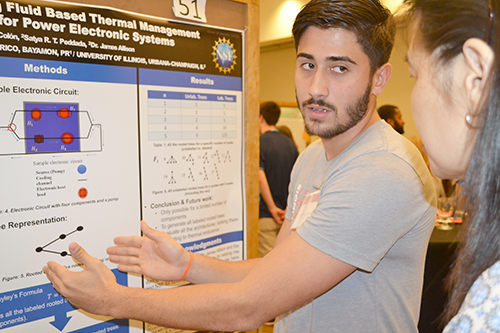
478	62
380	78
391	122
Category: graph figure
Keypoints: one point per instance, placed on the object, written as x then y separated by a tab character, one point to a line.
216	171
199	166
227	157
205	158
61	237
172	179
216	155
191	176
205	174
172	160
190	159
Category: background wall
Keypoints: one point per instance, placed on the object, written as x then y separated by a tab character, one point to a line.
398	90
276	16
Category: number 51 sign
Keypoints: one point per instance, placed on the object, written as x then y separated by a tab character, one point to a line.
190	9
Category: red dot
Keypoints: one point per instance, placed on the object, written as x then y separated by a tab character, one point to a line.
82	193
67	138
36	114
64	113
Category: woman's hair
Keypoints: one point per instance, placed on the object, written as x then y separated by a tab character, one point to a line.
442	27
372	23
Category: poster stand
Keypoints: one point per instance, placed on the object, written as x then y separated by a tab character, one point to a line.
116	112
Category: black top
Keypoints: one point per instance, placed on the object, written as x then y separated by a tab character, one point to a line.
277	157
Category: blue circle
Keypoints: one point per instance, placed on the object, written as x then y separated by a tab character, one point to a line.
225	55
82	169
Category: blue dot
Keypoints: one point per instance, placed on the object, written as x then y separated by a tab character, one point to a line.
82	169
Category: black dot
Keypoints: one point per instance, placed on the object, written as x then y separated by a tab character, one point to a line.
64	254
80	228
62	236
39	249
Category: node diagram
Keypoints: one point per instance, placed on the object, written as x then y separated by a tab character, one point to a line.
172	179
61	237
205	174
190	159
216	155
216	171
227	157
203	166
190	176
171	160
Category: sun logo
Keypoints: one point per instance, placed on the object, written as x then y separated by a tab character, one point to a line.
224	55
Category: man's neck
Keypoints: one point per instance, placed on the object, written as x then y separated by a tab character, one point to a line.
266	128
336	145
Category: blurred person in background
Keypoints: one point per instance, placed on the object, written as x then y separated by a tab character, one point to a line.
277	157
392	115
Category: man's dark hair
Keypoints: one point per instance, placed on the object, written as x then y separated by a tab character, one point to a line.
372	23
271	112
386	111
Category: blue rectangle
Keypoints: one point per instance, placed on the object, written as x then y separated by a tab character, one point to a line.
164	94
51	127
191	96
189	80
34	303
62	70
210	242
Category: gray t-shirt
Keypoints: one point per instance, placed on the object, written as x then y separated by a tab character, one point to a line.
376	211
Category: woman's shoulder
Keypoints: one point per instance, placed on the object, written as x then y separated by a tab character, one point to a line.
481	307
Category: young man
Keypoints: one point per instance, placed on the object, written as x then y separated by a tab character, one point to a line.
392	115
278	153
355	264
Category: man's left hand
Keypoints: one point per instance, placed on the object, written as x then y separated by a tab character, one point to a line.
88	289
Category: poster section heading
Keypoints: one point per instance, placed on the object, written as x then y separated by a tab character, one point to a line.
67	32
59	70
73	71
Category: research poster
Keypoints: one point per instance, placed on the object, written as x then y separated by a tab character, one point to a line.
108	117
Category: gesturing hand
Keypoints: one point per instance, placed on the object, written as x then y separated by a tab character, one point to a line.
155	255
88	289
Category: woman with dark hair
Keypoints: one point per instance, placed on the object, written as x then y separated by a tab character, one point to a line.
453	54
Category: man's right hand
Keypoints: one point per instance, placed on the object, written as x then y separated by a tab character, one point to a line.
278	214
155	255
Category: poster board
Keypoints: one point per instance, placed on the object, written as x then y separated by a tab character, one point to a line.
97	133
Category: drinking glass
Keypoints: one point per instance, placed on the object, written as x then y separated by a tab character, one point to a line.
445	212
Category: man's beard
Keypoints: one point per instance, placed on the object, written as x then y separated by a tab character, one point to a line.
355	112
399	129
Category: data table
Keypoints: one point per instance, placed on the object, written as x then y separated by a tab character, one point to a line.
184	116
